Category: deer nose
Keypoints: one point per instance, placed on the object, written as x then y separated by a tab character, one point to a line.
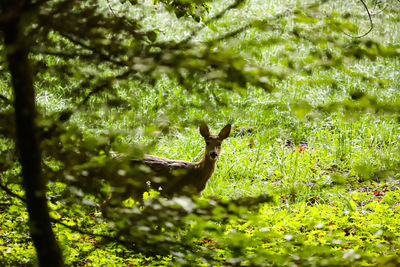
213	155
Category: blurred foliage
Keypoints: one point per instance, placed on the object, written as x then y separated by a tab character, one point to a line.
107	56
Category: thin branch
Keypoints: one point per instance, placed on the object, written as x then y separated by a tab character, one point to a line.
370	22
85	254
63	54
5	99
374	12
11	193
235	32
109	7
218	16
122	17
102	86
74	228
93	50
231	34
66	115
194	32
109	238
223	12
81	231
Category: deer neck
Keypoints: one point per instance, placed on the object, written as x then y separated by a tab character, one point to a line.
207	167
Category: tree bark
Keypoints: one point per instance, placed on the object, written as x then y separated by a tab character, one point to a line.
17	48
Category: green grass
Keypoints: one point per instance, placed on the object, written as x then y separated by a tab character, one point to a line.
338	195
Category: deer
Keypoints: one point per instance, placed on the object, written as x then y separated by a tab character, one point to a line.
171	177
178	177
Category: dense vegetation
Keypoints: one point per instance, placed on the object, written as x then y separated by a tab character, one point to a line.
309	176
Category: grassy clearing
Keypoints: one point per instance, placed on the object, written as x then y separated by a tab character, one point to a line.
330	173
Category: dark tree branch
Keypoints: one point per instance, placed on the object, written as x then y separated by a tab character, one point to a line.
110	8
106	237
5	99
18	8
370	22
71	227
85	254
103	85
63	54
196	31
120	17
231	34
11	193
109	238
217	16
102	55
167	46
64	116
16	44
374	12
83	232
234	32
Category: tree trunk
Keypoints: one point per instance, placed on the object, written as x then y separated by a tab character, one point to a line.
16	44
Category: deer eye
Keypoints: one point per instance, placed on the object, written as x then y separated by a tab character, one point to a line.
218	144
207	143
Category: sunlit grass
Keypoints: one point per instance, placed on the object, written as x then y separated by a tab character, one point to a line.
312	163
325	149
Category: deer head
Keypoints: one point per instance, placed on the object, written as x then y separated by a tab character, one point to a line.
213	142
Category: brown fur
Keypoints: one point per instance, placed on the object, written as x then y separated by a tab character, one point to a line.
177	177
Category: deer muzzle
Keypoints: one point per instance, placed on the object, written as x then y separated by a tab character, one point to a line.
213	155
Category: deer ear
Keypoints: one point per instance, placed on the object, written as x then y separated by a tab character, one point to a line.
204	131
224	133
